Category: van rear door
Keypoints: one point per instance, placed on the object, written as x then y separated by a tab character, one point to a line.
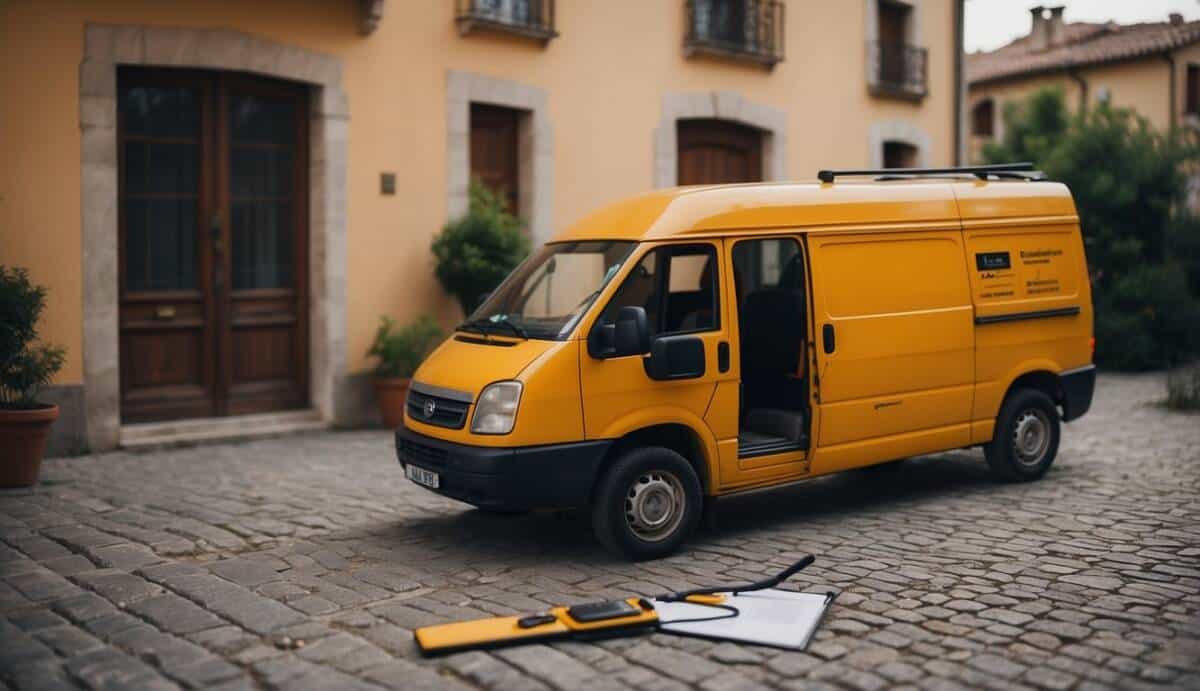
895	345
1029	278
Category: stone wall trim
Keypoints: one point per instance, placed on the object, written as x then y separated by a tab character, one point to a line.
898	131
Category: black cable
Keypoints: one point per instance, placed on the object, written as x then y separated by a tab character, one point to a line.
749	587
733	613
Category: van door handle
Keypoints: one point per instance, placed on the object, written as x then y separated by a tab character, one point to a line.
828	338
723	356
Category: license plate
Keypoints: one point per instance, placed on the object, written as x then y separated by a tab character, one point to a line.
421	476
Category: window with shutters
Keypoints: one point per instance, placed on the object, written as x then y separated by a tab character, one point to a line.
897	66
532	19
746	30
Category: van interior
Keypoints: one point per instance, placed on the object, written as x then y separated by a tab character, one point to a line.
769	275
772	320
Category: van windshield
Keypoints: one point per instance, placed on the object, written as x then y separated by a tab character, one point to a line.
545	296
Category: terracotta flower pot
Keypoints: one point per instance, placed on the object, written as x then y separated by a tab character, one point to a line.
392	394
22	443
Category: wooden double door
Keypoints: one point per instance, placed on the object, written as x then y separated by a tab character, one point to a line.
717	152
213	218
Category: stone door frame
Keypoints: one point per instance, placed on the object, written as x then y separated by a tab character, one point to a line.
535	146
106	47
904	131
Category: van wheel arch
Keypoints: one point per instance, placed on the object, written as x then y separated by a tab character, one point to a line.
1039	380
677	437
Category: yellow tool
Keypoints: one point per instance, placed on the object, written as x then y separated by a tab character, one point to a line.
628	617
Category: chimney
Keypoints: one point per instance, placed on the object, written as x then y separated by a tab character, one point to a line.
1055	31
1176	18
1039	34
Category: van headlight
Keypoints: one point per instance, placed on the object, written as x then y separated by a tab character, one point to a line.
496	410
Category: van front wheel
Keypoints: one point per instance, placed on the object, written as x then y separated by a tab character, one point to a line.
647	503
1025	441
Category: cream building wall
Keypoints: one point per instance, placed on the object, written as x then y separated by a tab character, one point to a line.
606	82
1143	85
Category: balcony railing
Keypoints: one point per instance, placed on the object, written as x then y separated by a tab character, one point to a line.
897	70
750	30
528	18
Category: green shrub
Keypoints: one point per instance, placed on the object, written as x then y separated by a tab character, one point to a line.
401	350
25	364
1031	128
1151	303
474	253
1143	245
1183	387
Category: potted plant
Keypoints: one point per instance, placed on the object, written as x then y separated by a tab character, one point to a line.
399	351
474	253
25	366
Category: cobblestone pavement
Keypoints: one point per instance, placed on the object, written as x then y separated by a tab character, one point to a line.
305	563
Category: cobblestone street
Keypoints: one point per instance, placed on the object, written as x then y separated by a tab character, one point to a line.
305	563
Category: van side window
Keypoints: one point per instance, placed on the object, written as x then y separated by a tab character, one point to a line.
773	264
677	286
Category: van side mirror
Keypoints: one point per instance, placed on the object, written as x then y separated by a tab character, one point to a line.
675	357
629	335
631	332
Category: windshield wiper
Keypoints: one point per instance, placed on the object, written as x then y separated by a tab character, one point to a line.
515	328
484	325
478	325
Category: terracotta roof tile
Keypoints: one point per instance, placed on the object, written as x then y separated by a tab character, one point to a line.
1082	44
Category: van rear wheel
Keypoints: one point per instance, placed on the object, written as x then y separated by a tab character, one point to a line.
1025	441
647	503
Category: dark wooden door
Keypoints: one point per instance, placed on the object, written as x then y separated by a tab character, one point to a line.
213	218
494	157
899	155
717	151
893	31
265	227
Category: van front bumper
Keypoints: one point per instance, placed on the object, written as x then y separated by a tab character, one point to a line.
523	477
1077	387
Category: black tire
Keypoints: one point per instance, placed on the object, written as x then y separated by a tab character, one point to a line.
1018	451
636	488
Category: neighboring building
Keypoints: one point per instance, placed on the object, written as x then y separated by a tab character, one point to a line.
223	197
1153	68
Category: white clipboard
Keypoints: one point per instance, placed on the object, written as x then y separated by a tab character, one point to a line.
778	618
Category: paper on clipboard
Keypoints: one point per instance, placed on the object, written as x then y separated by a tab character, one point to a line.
778	618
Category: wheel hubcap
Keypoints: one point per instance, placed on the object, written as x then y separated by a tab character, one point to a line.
1031	437
654	505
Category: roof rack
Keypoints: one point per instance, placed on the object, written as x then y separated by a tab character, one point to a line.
981	172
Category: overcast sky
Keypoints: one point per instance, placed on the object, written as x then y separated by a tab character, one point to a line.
993	23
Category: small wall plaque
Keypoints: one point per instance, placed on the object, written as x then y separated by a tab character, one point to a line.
387	183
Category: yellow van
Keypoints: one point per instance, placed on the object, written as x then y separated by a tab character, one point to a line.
696	342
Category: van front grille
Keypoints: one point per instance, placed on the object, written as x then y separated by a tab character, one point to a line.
436	410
